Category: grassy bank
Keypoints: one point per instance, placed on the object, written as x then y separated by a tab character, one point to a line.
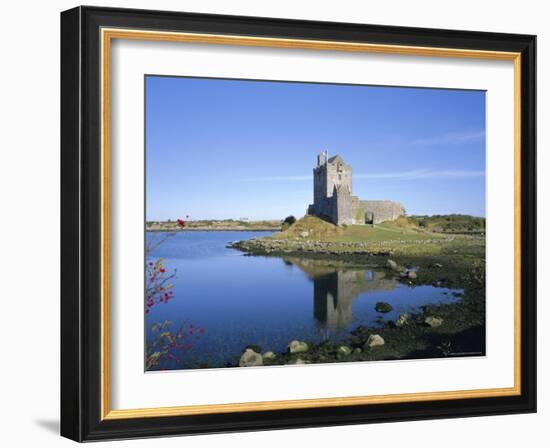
454	224
311	235
442	260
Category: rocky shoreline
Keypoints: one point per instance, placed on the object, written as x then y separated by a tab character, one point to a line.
411	336
272	246
434	331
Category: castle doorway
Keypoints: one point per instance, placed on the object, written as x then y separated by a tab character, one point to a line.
369	217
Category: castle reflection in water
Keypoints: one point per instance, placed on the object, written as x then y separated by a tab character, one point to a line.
336	286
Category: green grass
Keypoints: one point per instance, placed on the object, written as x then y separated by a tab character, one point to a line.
320	230
401	238
381	232
316	228
453	223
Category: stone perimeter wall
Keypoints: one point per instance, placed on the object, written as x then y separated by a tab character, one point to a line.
346	209
382	210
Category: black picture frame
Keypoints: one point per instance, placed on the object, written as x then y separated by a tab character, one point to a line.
81	224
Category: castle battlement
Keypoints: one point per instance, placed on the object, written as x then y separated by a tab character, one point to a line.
333	198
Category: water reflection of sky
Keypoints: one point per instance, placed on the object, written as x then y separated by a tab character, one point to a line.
267	301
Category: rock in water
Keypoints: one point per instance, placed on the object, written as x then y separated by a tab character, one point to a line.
297	347
403	319
250	359
374	340
383	307
433	322
269	355
390	264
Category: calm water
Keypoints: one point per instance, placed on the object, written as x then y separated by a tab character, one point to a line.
267	301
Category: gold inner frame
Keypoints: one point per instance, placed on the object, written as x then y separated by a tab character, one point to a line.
107	35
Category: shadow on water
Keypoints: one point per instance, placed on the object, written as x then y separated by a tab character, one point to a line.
336	286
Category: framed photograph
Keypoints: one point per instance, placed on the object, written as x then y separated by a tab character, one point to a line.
274	223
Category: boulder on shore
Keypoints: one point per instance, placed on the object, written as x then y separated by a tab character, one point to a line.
251	359
269	355
412	275
344	350
433	322
374	340
403	319
298	347
383	307
390	264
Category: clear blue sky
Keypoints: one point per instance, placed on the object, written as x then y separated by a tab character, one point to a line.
231	149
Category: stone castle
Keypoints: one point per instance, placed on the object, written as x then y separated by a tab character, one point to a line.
333	199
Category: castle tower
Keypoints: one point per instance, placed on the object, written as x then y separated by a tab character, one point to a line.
338	175
328	174
332	178
320	180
